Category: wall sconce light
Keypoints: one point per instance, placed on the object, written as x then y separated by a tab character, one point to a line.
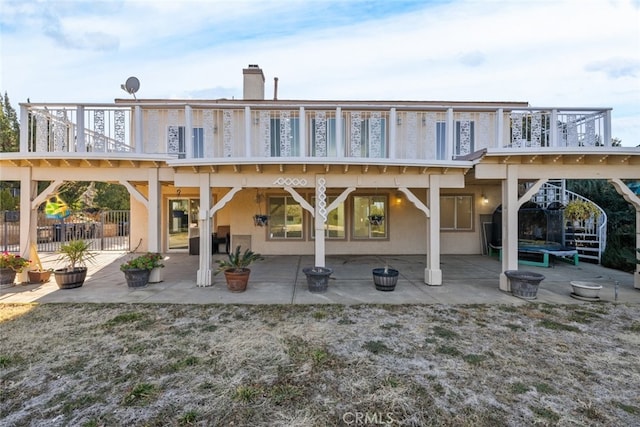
215	128
424	121
398	121
398	198
256	121
484	198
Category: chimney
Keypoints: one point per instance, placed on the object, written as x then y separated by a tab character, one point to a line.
253	82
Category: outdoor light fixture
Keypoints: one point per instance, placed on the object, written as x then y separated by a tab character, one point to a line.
485	199
398	198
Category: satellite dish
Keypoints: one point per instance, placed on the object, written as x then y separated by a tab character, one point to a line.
131	86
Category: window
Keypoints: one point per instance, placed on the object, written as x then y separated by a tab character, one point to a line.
334	227
285	137
374	138
177	142
370	217
456	212
285	218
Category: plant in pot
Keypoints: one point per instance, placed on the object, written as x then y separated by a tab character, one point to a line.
137	270
385	279
75	254
580	210
235	268
10	265
317	278
155	276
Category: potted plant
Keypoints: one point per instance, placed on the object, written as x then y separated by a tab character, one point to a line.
317	278
235	268
260	220
137	270
581	210
39	275
10	265
75	254
524	284
155	276
385	279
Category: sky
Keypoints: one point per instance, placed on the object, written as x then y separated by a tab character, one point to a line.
549	53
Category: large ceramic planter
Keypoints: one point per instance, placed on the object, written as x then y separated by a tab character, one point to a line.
317	278
237	279
7	277
39	276
70	279
585	290
524	284
385	279
137	277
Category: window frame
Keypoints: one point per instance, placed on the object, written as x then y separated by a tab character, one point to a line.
456	227
354	220
287	197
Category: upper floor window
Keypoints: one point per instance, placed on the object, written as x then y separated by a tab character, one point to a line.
456	212
285	218
370	217
177	141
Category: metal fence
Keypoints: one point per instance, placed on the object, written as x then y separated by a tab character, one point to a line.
105	231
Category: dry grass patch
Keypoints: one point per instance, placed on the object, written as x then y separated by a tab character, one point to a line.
283	365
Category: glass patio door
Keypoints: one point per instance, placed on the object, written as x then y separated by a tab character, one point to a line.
183	214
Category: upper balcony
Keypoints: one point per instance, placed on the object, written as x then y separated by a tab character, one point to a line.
227	131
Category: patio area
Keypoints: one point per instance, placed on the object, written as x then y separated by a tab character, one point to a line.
467	279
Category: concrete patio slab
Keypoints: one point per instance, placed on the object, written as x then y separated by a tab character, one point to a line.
467	279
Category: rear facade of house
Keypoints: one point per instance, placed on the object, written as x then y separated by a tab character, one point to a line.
325	177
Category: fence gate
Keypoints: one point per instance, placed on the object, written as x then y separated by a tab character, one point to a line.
105	231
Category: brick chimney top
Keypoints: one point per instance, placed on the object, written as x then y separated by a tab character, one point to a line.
253	82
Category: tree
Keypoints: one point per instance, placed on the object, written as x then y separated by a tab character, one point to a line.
9	126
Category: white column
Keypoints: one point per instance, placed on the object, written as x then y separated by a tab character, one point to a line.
28	217
153	211
137	141
320	218
247	132
302	133
509	225
80	140
553	132
204	224
500	128
24	129
188	131
450	135
339	134
393	129
433	273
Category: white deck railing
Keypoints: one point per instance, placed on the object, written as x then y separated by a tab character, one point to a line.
353	130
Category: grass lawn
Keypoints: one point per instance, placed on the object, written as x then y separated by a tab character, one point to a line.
292	365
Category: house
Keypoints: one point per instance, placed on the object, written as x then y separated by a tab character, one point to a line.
328	177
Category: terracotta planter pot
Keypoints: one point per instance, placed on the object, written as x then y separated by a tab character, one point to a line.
70	279
39	276
237	279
